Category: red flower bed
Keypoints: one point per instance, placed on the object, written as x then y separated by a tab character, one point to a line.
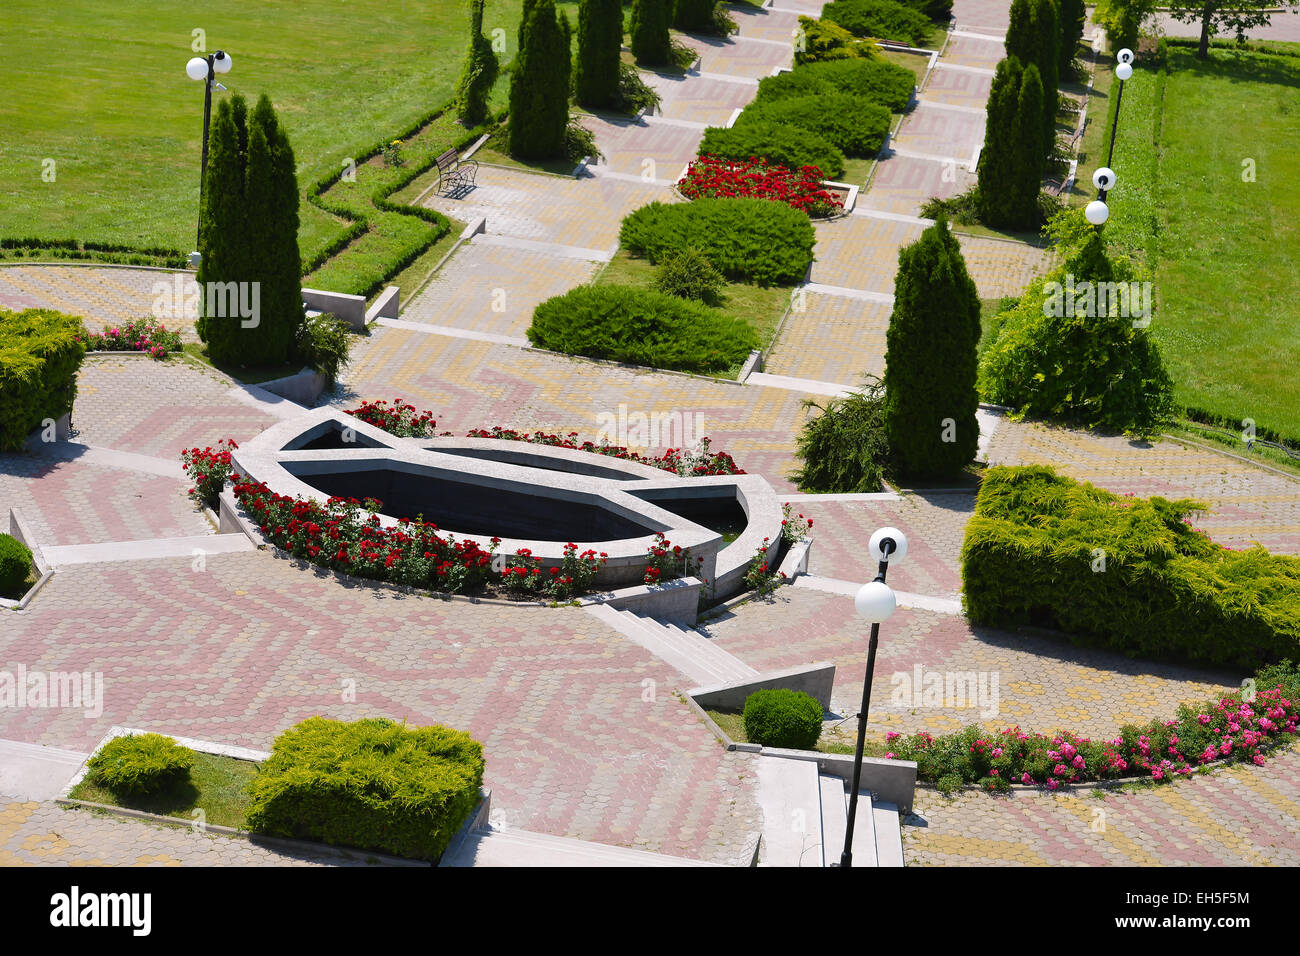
397	419
680	461
800	188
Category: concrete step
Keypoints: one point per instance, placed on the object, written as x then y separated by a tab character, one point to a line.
835	822
788	794
727	666
687	651
889	834
492	847
32	772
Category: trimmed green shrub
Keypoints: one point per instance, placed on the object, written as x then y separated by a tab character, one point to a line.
934	9
642	327
597	78
649	38
844	449
140	764
783	718
688	274
779	143
539	84
852	127
324	343
480	73
930	359
15	566
1129	574
819	40
1074	348
634	93
883	19
371	784
872	80
768	242
40	352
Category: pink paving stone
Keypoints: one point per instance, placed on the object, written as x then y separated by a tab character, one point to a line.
970	51
937	131
654	150
700	99
902	184
738	58
765	23
958	87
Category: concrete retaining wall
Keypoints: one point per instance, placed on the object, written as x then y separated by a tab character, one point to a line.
816	680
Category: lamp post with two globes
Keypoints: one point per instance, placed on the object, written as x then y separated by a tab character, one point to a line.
875	602
205	68
1097	212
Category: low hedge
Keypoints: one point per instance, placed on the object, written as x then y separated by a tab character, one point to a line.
371	784
1124	573
883	19
15	566
643	327
40	353
138	765
783	718
757	239
852	127
784	144
869	80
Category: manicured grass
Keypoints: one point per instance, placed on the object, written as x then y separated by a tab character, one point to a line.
1223	249
101	89
761	308
916	62
217	785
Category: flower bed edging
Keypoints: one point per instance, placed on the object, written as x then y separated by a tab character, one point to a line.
18	529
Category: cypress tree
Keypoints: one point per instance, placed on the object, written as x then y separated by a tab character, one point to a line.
281	267
1072	15
539	85
481	69
600	41
224	236
695	16
650	41
1023	206
1034	36
930	362
1002	154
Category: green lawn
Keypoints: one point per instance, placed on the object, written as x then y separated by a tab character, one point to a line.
1223	249
217	785
100	88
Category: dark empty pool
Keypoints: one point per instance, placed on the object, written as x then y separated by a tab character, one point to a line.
474	508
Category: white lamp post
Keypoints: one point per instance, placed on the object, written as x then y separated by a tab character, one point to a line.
875	602
1097	212
205	68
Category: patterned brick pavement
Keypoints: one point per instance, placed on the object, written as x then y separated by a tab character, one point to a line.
901	185
103	296
252	645
831	338
46	834
1235	816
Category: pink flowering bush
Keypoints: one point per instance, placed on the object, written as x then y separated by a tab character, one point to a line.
1240	727
138	335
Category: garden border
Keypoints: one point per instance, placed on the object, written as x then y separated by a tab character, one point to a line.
18	529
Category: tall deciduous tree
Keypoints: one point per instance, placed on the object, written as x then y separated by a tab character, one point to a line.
930	361
480	74
650	40
1225	16
600	41
539	84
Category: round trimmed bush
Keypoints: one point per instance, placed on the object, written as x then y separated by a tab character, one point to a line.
15	565
688	274
783	718
853	127
142	764
780	143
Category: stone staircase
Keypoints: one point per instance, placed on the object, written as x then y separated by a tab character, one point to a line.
685	649
489	846
806	813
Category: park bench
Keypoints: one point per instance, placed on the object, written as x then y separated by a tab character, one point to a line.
453	174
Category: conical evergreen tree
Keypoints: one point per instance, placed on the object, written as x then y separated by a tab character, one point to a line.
223	239
695	16
481	69
600	41
1072	16
1002	155
1034	36
650	41
930	361
1022	206
279	266
539	85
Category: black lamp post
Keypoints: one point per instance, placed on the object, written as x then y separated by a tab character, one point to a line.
1097	212
206	68
875	602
